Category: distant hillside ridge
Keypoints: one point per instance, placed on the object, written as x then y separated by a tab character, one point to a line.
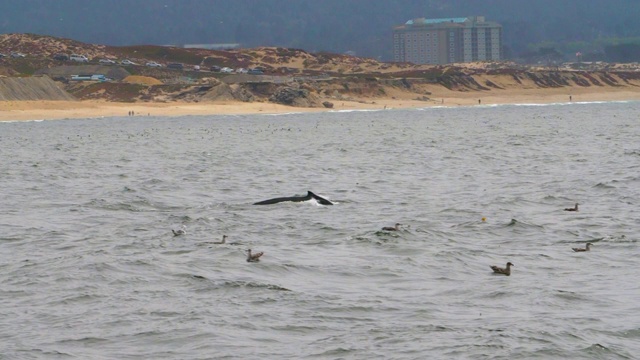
31	88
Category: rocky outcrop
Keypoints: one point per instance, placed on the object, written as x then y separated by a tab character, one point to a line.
31	88
244	95
230	92
215	92
295	97
219	92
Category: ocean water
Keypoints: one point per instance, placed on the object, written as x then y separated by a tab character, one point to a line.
90	269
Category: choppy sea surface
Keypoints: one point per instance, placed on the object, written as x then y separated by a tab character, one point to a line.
90	269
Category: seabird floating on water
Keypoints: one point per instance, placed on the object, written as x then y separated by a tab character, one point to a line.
503	271
587	248
224	240
179	231
389	228
575	208
253	257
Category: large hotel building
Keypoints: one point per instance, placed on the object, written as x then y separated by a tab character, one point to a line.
443	41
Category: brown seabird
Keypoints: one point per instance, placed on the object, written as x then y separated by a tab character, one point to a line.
503	271
587	248
253	257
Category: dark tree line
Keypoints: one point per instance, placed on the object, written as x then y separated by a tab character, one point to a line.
623	53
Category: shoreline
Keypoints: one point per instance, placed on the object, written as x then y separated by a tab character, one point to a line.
11	111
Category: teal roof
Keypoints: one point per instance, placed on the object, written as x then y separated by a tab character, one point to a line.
435	21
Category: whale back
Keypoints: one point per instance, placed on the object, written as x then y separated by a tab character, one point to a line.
319	199
308	197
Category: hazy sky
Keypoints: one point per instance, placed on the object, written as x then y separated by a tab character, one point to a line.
363	26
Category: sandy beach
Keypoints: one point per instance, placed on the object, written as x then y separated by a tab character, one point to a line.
49	110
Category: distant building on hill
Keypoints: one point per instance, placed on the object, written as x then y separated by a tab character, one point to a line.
227	46
444	41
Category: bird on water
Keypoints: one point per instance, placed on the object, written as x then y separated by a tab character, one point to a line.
253	257
503	271
224	240
586	248
575	208
179	232
389	228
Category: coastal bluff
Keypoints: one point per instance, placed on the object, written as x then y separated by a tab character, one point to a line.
32	88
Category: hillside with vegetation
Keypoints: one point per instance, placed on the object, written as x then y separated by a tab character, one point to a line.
288	76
